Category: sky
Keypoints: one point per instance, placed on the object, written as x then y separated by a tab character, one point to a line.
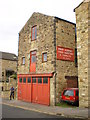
15	13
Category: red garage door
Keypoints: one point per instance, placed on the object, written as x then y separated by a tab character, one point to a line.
28	90
24	89
40	90
20	89
34	89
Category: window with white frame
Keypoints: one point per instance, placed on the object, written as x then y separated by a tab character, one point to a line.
23	60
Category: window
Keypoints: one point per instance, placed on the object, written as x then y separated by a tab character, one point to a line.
2	73
45	80
9	73
23	60
20	80
39	80
33	59
34	33
7	80
33	80
69	93
76	62
29	80
44	57
2	88
24	80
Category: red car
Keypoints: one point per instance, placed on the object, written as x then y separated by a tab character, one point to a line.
71	95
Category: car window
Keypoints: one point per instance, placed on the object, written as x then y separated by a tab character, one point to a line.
68	93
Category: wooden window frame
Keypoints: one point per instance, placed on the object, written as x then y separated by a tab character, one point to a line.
21	80
44	81
29	78
34	27
43	57
32	53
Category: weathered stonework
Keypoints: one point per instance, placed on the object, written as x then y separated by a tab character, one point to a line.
65	37
51	32
7	64
83	41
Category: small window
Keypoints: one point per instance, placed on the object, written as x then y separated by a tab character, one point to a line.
24	80
2	73
20	80
23	60
34	33
33	80
2	88
44	57
29	80
7	81
39	80
33	59
45	80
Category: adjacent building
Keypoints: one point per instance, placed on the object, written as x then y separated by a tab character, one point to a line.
8	67
47	61
83	48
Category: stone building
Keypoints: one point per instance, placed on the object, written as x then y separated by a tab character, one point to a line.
83	48
46	59
8	67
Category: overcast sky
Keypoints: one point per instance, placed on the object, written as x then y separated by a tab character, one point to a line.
15	13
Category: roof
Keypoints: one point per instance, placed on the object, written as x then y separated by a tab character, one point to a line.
8	56
65	20
84	1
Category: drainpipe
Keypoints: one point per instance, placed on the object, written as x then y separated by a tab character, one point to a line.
17	69
55	59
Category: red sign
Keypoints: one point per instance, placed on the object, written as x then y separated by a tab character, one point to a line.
65	53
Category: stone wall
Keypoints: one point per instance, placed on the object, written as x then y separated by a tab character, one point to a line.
7	65
65	37
89	54
7	86
82	18
0	74
51	32
43	43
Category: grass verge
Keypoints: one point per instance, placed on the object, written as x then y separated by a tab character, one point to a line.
65	105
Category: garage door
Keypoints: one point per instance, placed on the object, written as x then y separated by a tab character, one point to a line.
40	90
34	89
24	89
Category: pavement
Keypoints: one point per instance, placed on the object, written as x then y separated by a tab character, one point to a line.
52	110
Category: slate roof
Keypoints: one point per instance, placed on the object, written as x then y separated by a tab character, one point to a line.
8	56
